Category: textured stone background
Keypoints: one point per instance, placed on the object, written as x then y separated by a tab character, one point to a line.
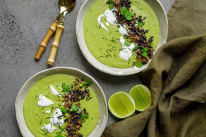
23	24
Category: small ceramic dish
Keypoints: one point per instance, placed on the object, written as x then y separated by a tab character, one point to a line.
97	132
163	24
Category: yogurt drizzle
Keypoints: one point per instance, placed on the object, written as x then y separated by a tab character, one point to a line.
126	53
53	90
48	111
100	22
56	118
49	128
43	101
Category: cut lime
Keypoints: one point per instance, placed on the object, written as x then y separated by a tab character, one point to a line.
121	104
142	97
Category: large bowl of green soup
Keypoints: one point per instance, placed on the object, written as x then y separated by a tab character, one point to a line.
120	37
61	102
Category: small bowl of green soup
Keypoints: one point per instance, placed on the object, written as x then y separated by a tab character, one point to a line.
61	102
120	37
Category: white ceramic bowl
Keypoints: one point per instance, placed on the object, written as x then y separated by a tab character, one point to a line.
163	24
97	132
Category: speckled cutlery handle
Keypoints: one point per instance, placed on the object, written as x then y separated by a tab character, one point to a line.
55	44
46	39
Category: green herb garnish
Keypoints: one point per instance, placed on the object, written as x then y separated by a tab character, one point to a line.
111	4
84	117
127	43
144	49
135	48
151	44
65	87
59	135
63	110
124	10
140	24
144	54
75	108
87	83
138	63
128	15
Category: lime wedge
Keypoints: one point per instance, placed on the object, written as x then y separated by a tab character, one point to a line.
121	105
142	97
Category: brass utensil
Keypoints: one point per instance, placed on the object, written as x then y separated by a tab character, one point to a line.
66	6
48	35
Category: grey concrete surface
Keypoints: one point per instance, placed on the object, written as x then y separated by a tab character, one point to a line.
23	24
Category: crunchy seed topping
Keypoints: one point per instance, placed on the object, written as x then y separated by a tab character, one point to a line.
78	91
136	34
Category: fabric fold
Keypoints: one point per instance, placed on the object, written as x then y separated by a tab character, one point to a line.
177	80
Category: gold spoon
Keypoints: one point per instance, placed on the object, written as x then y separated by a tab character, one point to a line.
51	30
66	6
48	36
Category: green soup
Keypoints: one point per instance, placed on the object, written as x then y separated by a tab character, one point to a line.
35	115
105	45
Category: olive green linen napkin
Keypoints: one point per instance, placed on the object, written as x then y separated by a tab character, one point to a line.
177	79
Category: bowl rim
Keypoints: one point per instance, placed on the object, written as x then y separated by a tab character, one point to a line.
104	68
56	68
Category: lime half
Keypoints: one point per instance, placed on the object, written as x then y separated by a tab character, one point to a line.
142	97
121	104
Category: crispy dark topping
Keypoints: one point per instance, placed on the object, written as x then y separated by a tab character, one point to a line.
76	116
136	34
